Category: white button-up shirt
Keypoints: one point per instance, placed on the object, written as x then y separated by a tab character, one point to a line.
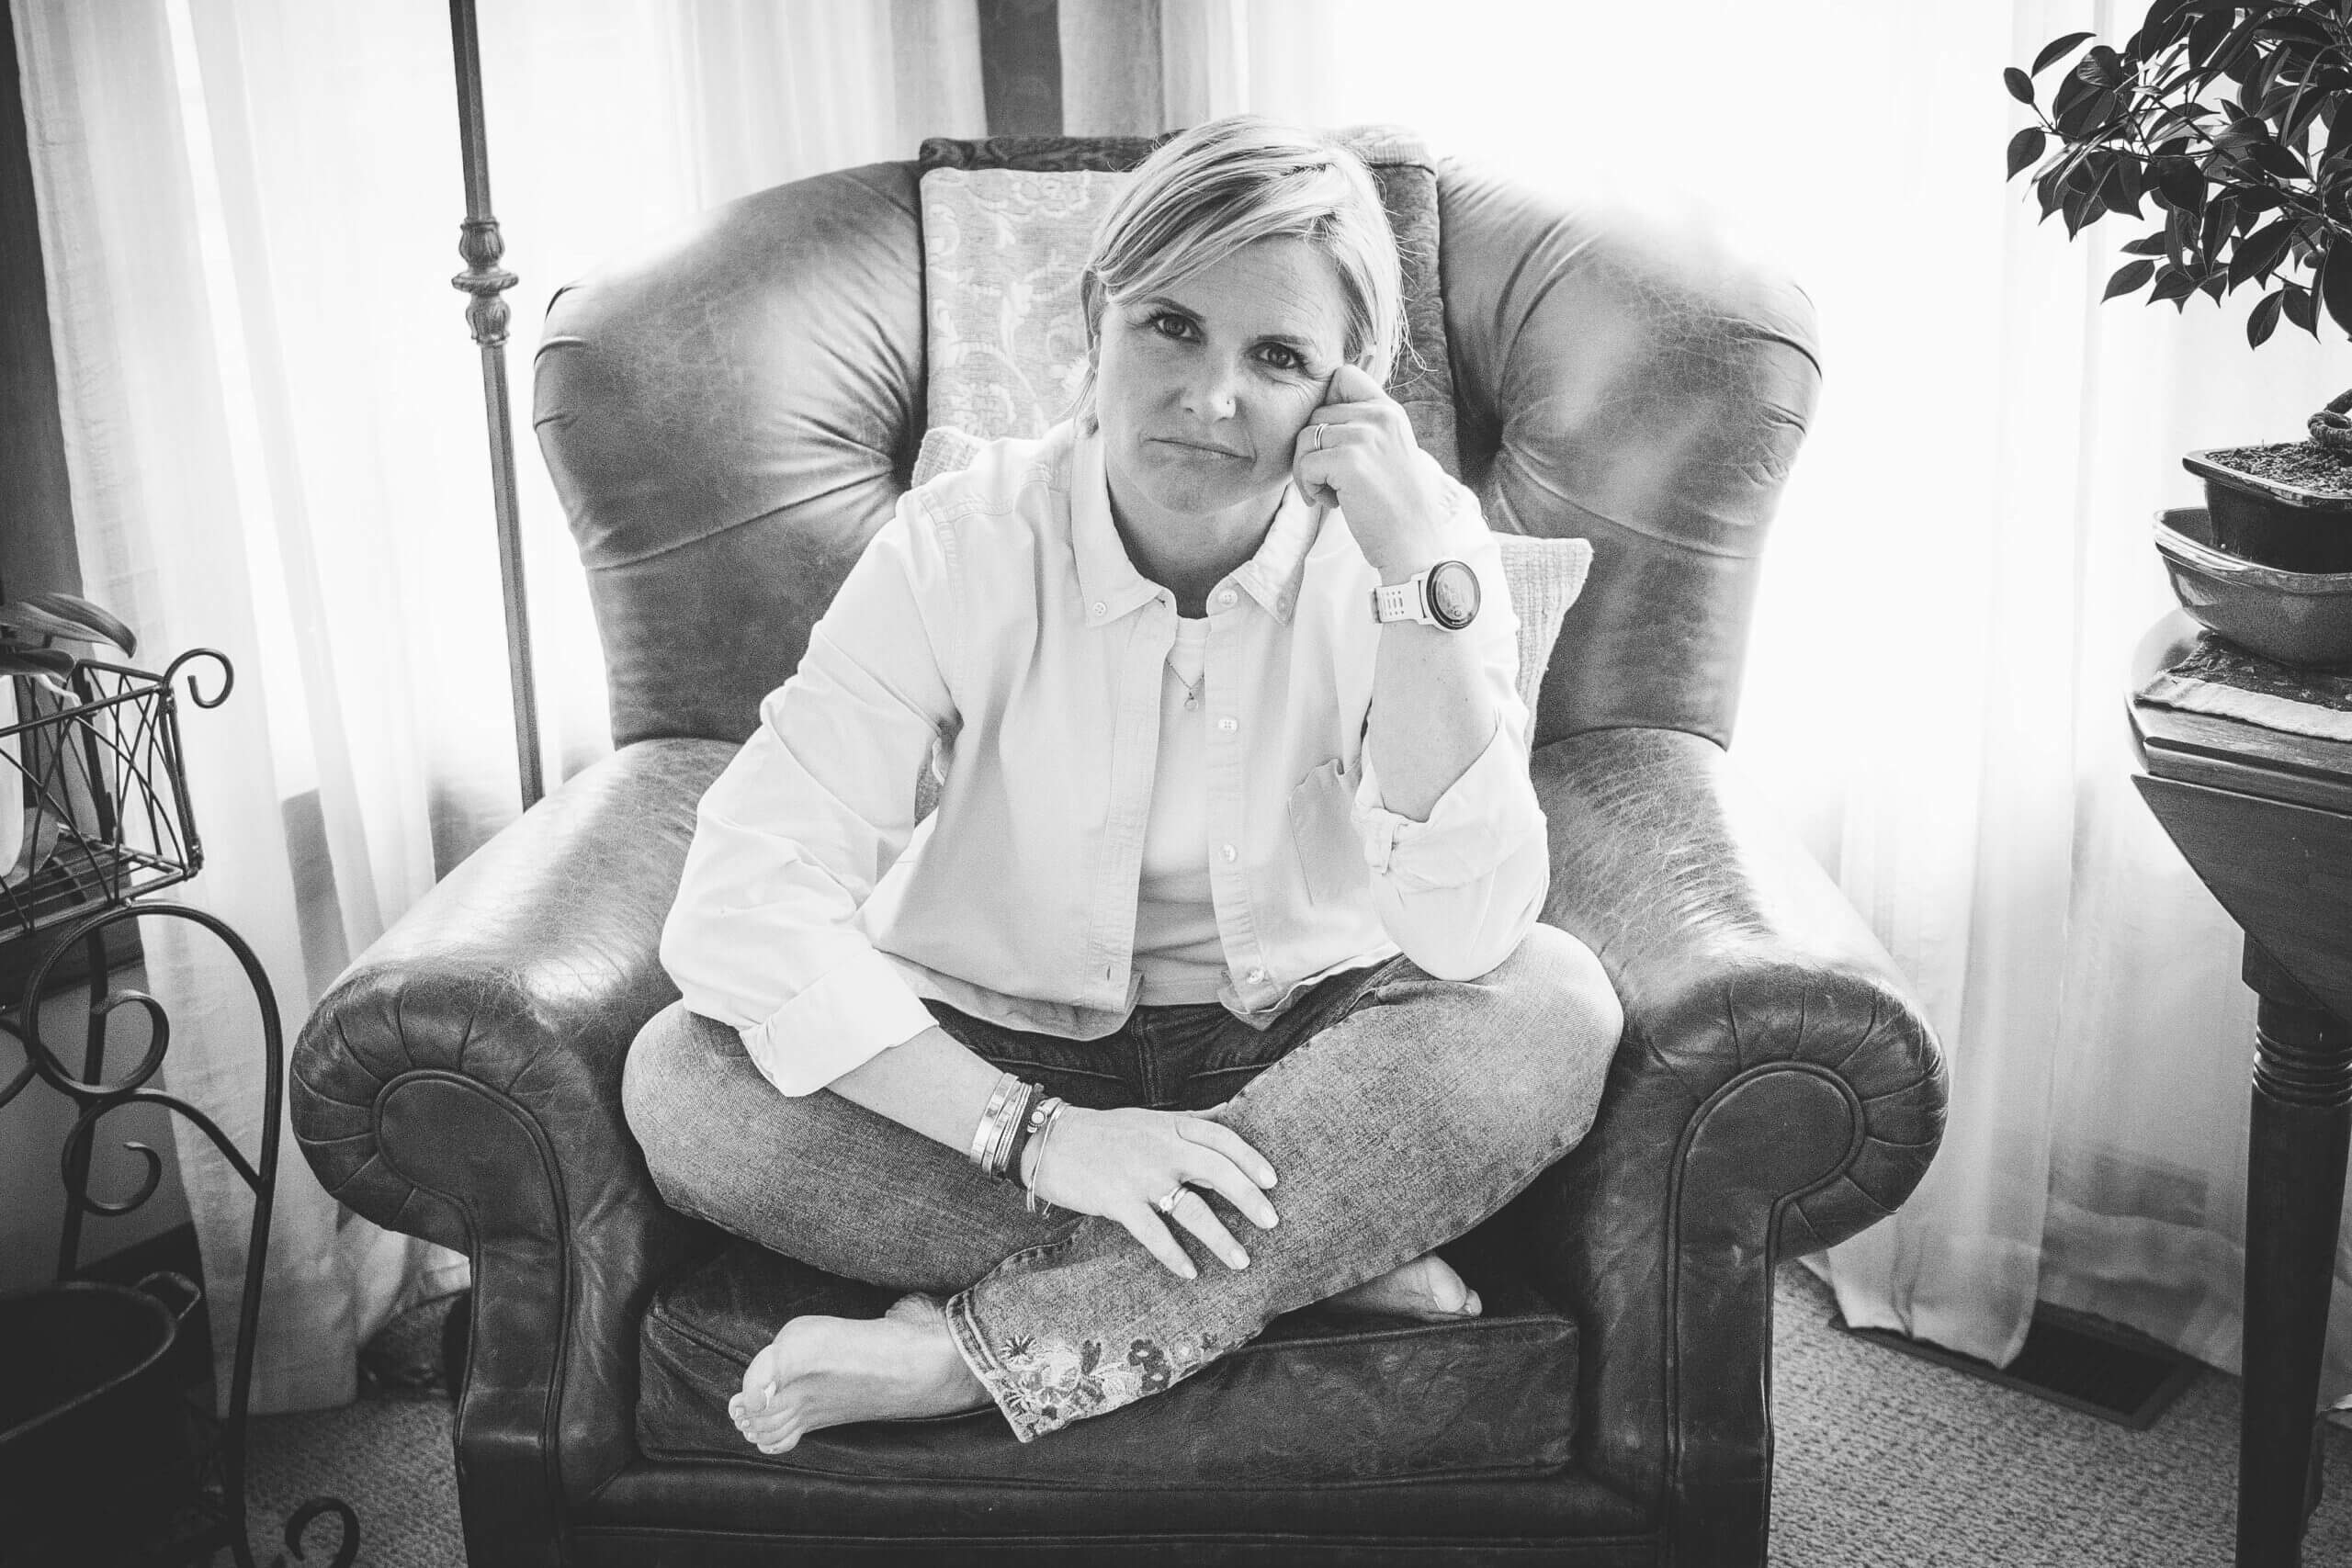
998	616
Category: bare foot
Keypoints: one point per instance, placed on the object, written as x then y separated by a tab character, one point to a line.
829	1372
1427	1288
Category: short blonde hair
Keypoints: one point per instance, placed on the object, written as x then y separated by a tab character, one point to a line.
1204	194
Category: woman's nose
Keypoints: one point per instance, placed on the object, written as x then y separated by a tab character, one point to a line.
1214	392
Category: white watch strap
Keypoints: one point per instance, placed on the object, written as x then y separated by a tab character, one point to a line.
1405	601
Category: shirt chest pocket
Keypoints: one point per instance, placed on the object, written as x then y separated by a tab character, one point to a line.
1323	833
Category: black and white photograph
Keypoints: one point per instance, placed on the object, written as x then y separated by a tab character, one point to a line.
1438	782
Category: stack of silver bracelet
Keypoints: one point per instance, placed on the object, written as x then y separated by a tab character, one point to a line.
992	1139
1018	1113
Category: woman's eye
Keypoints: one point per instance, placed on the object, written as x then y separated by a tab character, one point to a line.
1167	325
1283	358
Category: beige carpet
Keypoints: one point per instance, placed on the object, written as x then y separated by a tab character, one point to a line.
1883	1459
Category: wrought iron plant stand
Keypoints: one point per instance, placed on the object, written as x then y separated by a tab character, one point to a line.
106	812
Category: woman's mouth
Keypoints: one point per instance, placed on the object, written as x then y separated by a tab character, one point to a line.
1200	447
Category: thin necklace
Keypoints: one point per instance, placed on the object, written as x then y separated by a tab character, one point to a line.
1192	688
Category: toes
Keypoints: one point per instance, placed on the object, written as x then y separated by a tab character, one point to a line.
759	1384
750	1426
773	1437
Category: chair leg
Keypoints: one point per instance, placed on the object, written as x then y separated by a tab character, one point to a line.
1727	1207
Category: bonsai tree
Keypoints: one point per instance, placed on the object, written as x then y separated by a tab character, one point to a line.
2225	122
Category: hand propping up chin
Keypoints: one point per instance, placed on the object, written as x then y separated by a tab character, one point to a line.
1357	451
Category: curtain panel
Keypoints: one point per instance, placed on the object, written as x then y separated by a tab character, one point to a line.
273	414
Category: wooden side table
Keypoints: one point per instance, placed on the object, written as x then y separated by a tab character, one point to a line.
2264	819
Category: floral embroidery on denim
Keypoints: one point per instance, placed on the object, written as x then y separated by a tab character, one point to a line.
1150	1363
1052	1383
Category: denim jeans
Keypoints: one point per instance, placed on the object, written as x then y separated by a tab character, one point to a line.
1398	1110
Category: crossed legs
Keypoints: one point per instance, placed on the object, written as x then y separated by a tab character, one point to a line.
1416	1110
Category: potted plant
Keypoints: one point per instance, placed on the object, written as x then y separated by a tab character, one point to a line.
41	785
2231	123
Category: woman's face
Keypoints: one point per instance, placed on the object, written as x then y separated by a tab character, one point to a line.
1202	389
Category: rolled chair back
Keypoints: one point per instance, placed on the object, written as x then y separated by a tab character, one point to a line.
730	412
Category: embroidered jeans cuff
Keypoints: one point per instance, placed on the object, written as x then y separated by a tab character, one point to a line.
971	1343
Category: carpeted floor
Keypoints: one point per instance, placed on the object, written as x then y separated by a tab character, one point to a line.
1884	1461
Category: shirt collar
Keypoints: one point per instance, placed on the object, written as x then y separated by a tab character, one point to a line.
1272	576
1109	579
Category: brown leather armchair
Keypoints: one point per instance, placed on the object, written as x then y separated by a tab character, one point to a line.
729	415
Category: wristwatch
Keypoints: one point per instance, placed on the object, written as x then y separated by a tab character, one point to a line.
1445	595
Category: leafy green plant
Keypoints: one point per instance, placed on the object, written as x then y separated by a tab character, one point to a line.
2229	121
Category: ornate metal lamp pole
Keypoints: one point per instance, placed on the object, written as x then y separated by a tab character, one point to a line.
480	244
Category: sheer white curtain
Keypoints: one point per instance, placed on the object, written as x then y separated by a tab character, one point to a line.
1959	575
274	429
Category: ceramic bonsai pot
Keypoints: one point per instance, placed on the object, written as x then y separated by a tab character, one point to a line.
2273	521
2296	618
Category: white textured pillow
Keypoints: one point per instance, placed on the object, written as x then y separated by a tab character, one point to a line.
1545	576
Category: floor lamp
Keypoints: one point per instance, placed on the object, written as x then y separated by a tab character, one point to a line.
480	244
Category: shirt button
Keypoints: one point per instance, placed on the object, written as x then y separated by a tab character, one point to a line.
1230	854
1227	725
1227	597
1257	976
1100	607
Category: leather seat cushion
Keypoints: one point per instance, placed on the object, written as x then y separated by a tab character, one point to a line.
1317	1399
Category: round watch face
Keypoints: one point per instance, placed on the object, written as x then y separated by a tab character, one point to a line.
1453	594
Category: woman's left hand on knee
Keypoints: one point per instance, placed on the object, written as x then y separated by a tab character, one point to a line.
1141	1168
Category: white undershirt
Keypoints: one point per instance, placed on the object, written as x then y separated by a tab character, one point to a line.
1178	952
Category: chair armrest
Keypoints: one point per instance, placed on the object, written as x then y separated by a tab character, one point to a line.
461	1082
1777	1088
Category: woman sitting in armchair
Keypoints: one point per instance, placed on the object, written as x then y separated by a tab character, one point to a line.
1225	923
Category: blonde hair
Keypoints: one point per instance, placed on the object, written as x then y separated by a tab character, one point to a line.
1211	190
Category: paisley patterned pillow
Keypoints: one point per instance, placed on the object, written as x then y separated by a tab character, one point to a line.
1002	250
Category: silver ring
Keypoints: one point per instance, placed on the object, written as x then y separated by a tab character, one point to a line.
1175	1195
1317	430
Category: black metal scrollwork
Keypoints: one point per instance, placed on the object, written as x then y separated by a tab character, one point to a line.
309	1513
148	732
194	693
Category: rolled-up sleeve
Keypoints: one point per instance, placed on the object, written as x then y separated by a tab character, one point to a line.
1461	889
792	837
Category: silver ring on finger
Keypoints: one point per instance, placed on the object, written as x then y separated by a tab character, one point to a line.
1316	431
1167	1205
